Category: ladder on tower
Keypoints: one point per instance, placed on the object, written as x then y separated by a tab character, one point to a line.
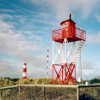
78	51
72	64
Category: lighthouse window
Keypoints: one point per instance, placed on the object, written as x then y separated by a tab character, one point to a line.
63	26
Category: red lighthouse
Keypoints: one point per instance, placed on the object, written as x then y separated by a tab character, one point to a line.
64	61
24	71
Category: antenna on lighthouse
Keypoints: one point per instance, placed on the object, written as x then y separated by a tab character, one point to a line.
47	57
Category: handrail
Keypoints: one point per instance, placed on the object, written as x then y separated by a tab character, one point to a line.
43	85
68	32
38	85
9	87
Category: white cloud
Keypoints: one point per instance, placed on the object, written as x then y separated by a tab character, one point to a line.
5	16
15	42
5	27
93	38
21	45
89	74
38	61
36	64
7	10
89	70
61	8
97	17
7	70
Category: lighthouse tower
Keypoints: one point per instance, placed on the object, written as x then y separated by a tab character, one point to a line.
66	48
24	71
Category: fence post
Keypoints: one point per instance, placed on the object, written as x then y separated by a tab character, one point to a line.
19	93
1	95
44	93
78	91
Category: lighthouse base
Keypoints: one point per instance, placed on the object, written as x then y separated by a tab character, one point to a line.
63	73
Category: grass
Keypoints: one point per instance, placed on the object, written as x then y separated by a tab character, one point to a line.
10	82
6	82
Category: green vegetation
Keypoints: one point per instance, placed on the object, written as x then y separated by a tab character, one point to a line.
95	80
8	82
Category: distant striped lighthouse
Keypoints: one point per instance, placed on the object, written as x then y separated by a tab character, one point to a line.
24	71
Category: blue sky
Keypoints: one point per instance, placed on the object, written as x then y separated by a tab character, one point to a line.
26	27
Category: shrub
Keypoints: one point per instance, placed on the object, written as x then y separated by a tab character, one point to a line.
92	81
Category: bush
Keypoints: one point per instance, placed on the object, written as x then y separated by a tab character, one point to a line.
25	81
43	81
92	81
6	82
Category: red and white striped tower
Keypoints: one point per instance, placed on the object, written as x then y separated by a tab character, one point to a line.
24	71
47	57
